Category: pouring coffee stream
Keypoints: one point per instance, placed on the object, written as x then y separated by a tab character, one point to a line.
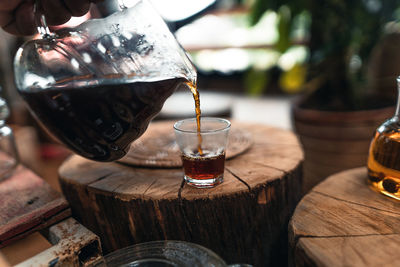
97	86
196	97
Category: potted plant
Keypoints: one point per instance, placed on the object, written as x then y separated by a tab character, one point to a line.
351	86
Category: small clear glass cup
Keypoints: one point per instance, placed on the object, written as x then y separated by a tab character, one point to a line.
203	153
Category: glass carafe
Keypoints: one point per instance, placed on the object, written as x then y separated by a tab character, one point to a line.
96	87
384	155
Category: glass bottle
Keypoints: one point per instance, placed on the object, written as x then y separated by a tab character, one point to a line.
384	155
9	158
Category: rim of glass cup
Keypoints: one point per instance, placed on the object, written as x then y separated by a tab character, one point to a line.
226	126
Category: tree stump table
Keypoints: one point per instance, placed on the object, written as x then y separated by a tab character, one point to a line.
244	219
342	222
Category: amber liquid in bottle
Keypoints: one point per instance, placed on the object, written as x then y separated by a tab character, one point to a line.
384	156
384	159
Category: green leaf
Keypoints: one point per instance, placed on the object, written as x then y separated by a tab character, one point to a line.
284	27
256	81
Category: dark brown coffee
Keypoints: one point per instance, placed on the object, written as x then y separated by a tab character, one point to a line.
203	167
99	122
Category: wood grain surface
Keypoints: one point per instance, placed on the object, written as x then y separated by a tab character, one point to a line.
28	204
73	246
243	220
342	222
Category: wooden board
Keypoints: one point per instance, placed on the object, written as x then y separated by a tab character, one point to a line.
243	220
73	246
342	222
28	204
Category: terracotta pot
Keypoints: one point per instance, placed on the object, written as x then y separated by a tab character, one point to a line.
334	141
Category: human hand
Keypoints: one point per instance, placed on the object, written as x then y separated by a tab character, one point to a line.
17	16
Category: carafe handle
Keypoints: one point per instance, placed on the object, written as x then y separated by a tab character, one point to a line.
41	23
124	4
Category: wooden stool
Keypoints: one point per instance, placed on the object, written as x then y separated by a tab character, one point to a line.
28	204
342	222
243	220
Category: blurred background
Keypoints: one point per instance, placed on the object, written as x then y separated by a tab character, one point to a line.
253	57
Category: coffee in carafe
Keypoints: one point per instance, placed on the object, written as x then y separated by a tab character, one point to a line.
100	122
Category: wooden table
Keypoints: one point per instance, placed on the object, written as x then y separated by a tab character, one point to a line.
28	204
243	220
342	222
